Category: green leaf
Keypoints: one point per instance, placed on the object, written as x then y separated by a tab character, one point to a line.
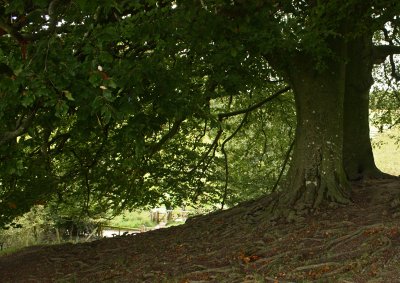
107	94
106	113
111	83
106	57
61	108
68	95
27	100
95	79
234	52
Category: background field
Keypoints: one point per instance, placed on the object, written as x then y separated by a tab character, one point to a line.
387	152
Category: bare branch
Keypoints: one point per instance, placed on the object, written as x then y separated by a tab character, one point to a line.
255	106
201	135
380	52
395	75
285	161
174	130
226	158
226	177
213	146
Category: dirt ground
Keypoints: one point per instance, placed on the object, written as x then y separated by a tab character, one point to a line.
354	243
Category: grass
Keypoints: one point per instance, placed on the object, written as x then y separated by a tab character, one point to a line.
10	250
133	219
387	151
138	219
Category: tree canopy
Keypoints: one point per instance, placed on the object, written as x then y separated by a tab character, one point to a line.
121	104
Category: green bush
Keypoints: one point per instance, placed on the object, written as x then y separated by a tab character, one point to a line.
31	229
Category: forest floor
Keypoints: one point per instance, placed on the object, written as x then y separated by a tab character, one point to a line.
359	242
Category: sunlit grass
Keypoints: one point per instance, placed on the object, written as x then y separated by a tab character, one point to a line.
387	151
134	219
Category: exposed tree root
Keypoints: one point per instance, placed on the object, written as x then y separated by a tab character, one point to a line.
353	243
316	266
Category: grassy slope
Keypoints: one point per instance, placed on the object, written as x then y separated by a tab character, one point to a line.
387	152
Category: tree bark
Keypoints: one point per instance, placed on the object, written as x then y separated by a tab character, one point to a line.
358	157
316	174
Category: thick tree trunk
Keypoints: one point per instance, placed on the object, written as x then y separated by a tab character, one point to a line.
357	150
316	174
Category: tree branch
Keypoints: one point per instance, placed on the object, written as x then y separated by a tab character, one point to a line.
174	130
226	177
21	129
62	139
255	106
213	146
226	158
285	161
11	31
380	52
395	75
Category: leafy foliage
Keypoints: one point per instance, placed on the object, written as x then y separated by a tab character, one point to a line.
385	99
122	104
116	104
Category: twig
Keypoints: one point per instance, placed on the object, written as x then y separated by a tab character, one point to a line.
287	156
226	157
213	145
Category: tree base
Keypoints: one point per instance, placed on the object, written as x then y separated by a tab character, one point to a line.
375	174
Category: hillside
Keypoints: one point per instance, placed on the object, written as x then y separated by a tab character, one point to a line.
355	243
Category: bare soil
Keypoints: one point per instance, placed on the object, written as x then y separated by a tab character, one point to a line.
359	242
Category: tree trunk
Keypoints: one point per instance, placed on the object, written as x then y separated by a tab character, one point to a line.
357	150
316	173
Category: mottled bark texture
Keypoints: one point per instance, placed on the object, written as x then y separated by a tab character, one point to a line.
357	150
316	174
332	142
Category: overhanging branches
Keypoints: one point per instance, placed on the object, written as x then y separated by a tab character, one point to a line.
382	51
172	131
214	144
255	106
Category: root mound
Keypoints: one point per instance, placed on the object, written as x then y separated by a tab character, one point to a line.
353	243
